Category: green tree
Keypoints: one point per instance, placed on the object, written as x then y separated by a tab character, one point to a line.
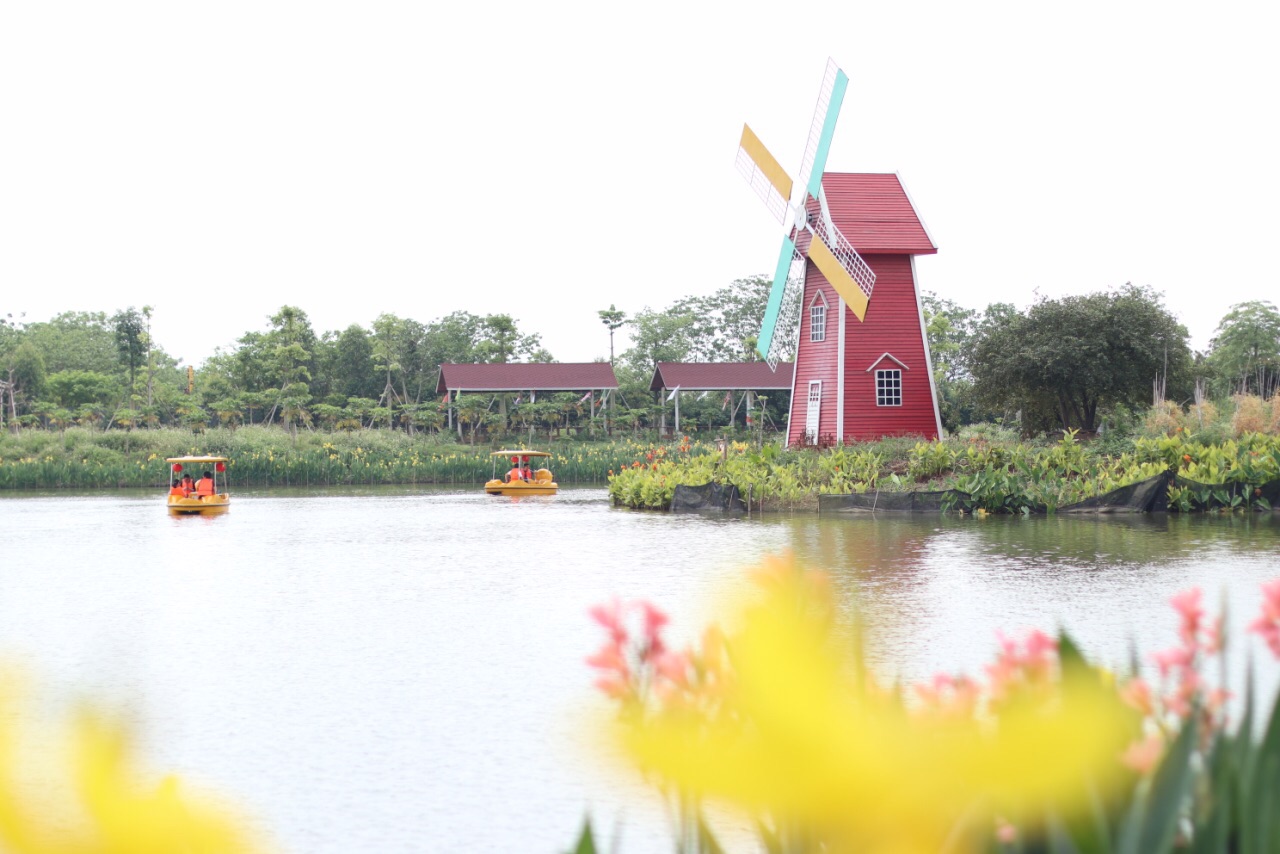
726	323
132	342
76	340
351	368
1066	359
951	330
1245	350
291	342
660	337
499	340
74	389
24	375
613	319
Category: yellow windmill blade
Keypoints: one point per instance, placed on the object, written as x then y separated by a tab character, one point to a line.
765	175
843	267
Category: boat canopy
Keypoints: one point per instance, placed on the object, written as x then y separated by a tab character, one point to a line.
520	453
198	459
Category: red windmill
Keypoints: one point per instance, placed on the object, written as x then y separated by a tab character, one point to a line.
862	366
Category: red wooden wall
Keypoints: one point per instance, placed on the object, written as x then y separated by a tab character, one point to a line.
892	325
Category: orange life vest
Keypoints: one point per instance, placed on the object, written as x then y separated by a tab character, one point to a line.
204	486
514	475
178	491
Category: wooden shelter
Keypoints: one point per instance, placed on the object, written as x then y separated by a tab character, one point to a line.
745	378
595	380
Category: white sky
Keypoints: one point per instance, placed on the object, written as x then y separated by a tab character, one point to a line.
217	161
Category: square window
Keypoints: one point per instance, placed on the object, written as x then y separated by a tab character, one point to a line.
889	388
817	322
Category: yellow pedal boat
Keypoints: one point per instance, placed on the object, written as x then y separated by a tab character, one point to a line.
522	479
183	471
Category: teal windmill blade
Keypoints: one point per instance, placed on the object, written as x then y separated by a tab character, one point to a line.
826	247
822	129
780	314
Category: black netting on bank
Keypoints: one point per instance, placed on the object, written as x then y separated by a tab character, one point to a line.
1146	496
722	497
908	502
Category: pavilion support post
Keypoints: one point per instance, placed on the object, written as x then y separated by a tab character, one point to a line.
677	412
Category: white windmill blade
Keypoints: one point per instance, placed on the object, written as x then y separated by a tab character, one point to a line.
782	346
841	264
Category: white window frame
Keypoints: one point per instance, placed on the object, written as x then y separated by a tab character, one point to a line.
818	318
889	387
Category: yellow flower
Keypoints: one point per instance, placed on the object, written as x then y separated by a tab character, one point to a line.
93	799
806	737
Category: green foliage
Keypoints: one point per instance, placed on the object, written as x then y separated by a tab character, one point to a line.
1245	351
930	459
1067	359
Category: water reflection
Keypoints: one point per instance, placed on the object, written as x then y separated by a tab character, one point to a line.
379	665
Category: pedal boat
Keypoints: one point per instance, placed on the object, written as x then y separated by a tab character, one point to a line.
205	505
541	484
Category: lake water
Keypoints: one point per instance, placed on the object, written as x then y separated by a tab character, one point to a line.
401	669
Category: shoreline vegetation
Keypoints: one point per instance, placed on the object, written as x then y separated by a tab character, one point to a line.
1221	463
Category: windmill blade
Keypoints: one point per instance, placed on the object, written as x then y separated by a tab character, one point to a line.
768	328
782	346
844	268
822	128
764	173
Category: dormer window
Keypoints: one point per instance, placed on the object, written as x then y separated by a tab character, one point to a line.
818	318
889	387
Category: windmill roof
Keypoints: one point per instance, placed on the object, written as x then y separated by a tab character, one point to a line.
721	376
874	212
533	376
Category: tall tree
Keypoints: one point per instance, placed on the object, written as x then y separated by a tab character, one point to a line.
1068	358
352	371
725	324
76	340
132	343
499	340
291	342
951	329
613	319
1245	350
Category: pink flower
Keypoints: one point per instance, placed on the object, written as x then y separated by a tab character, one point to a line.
1267	625
1137	694
674	667
1187	604
610	616
614	686
654	620
1271	599
1212	643
1178	658
1142	756
609	657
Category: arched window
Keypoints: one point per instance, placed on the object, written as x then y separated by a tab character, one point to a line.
818	318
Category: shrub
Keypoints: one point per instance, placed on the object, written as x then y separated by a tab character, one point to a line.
1250	415
1163	419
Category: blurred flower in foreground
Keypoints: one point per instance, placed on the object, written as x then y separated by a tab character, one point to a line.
800	735
72	788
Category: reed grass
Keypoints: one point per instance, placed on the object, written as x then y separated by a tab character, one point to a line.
81	458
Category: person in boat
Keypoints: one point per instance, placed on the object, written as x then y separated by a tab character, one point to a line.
526	473
516	472
187	486
176	491
204	486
